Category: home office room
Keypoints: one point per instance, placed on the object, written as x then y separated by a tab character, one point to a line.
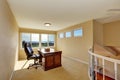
60	40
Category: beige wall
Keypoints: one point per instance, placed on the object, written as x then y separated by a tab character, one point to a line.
112	33
22	54
98	32
107	34
77	47
8	41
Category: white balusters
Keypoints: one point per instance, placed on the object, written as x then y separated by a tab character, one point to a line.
93	64
115	67
103	65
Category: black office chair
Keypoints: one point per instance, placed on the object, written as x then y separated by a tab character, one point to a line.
30	55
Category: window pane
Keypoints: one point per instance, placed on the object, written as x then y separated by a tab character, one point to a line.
68	34
25	37
44	40
51	39
78	32
61	35
35	40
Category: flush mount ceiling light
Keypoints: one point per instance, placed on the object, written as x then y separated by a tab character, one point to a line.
47	24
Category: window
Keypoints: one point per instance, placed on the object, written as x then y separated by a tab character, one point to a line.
47	40
25	37
78	32
35	40
68	34
44	40
61	35
51	38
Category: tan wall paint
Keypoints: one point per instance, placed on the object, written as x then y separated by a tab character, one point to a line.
77	47
112	33
8	41
22	54
101	32
98	32
107	35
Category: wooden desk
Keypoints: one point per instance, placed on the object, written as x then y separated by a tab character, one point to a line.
51	59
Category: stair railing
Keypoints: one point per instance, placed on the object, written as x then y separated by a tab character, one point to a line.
93	63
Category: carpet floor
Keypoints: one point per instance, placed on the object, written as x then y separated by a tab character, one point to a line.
70	70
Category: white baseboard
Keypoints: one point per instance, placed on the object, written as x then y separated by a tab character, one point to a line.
11	75
75	59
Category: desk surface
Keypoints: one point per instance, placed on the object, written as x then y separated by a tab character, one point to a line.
52	51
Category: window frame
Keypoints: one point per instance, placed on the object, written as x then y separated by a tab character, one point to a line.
22	40
81	34
31	40
39	39
70	34
62	33
49	40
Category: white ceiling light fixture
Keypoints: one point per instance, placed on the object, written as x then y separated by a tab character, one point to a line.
47	24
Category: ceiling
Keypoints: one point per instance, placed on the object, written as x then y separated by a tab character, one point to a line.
62	13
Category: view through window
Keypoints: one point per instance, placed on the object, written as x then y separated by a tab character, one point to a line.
44	40
35	40
68	34
25	37
61	35
51	39
78	32
38	40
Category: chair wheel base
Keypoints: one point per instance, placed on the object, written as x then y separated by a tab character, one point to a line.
36	65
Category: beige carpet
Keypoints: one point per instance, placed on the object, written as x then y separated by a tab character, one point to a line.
70	70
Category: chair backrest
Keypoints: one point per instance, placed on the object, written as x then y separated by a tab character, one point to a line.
27	48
